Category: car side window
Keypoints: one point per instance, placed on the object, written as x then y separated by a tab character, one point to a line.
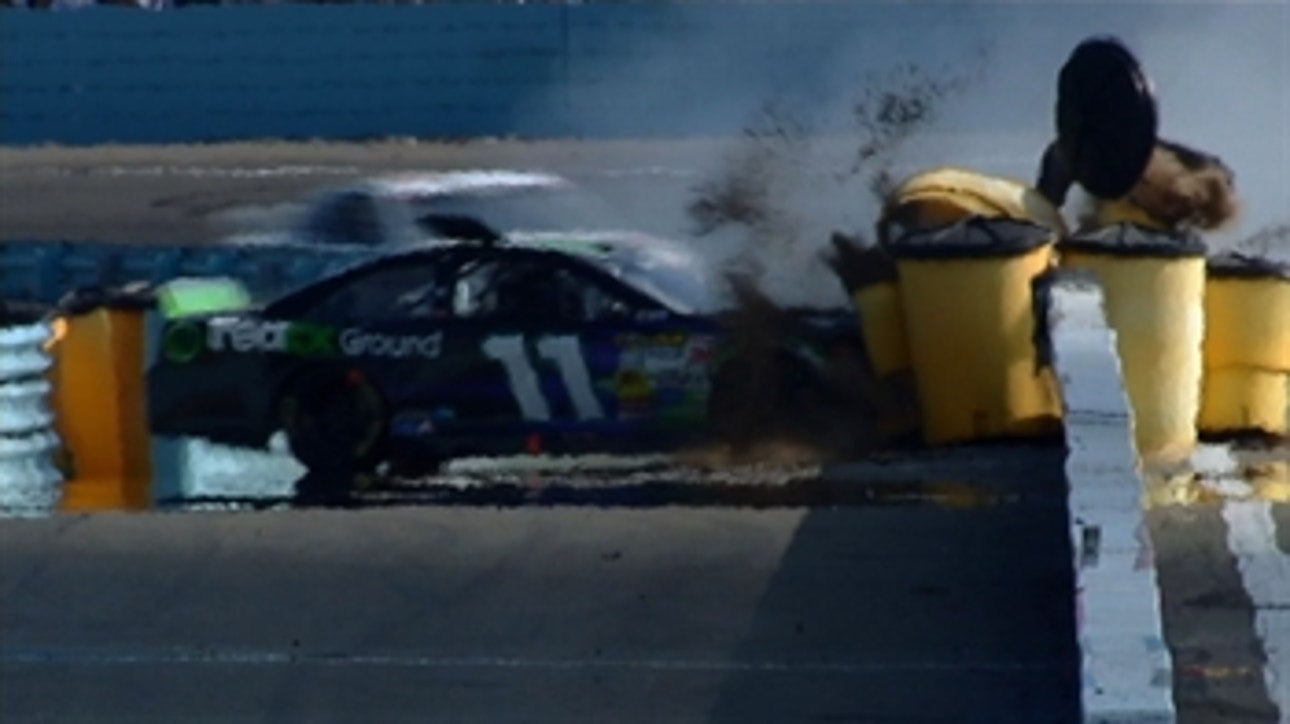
600	304
534	291
395	292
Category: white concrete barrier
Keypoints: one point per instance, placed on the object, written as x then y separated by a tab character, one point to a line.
29	480
1127	667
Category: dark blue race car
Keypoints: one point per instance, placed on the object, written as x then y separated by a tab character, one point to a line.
617	343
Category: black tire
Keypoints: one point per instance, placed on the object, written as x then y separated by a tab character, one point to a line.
334	421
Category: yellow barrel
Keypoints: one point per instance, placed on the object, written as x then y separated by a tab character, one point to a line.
98	398
1241	400
967	291
875	292
869	275
1247	347
882	320
944	195
1153	284
882	323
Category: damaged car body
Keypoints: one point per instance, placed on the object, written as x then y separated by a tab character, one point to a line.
563	346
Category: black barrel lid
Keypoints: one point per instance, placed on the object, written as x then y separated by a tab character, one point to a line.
1131	240
136	296
972	237
1239	265
858	266
1106	117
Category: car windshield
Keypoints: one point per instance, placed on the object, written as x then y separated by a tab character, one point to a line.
535	208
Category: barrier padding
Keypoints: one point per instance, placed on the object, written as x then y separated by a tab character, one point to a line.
98	367
29	478
1247	347
968	294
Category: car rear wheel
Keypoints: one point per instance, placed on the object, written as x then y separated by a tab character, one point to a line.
334	422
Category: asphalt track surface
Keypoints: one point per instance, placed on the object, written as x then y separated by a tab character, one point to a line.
425	614
180	193
478	613
177	194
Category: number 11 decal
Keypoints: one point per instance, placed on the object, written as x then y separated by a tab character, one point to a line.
565	353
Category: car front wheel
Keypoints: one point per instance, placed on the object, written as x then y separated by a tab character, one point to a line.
334	422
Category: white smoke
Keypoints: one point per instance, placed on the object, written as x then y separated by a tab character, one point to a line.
1222	73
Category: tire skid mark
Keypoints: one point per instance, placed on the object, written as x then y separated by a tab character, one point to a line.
801	493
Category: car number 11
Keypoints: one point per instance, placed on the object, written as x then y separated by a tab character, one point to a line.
565	353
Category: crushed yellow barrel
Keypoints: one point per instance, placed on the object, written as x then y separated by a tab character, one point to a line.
944	195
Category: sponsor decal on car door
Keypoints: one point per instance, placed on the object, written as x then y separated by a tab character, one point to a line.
561	351
664	374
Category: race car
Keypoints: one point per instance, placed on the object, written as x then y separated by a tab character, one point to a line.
620	343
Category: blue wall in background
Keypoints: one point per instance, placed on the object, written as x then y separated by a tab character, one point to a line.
458	70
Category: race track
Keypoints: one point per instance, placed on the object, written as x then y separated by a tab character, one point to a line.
540	615
924	611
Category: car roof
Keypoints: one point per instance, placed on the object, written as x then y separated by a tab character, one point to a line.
598	252
631	258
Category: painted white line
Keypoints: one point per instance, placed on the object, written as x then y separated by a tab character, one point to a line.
1127	669
126	655
1265	573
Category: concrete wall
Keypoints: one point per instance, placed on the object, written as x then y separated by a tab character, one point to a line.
41	272
460	70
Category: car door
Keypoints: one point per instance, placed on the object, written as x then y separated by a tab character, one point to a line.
575	356
391	323
655	364
463	348
515	315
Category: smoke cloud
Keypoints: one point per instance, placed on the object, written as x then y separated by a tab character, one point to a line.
777	87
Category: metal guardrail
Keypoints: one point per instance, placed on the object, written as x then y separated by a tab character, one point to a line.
28	440
43	271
